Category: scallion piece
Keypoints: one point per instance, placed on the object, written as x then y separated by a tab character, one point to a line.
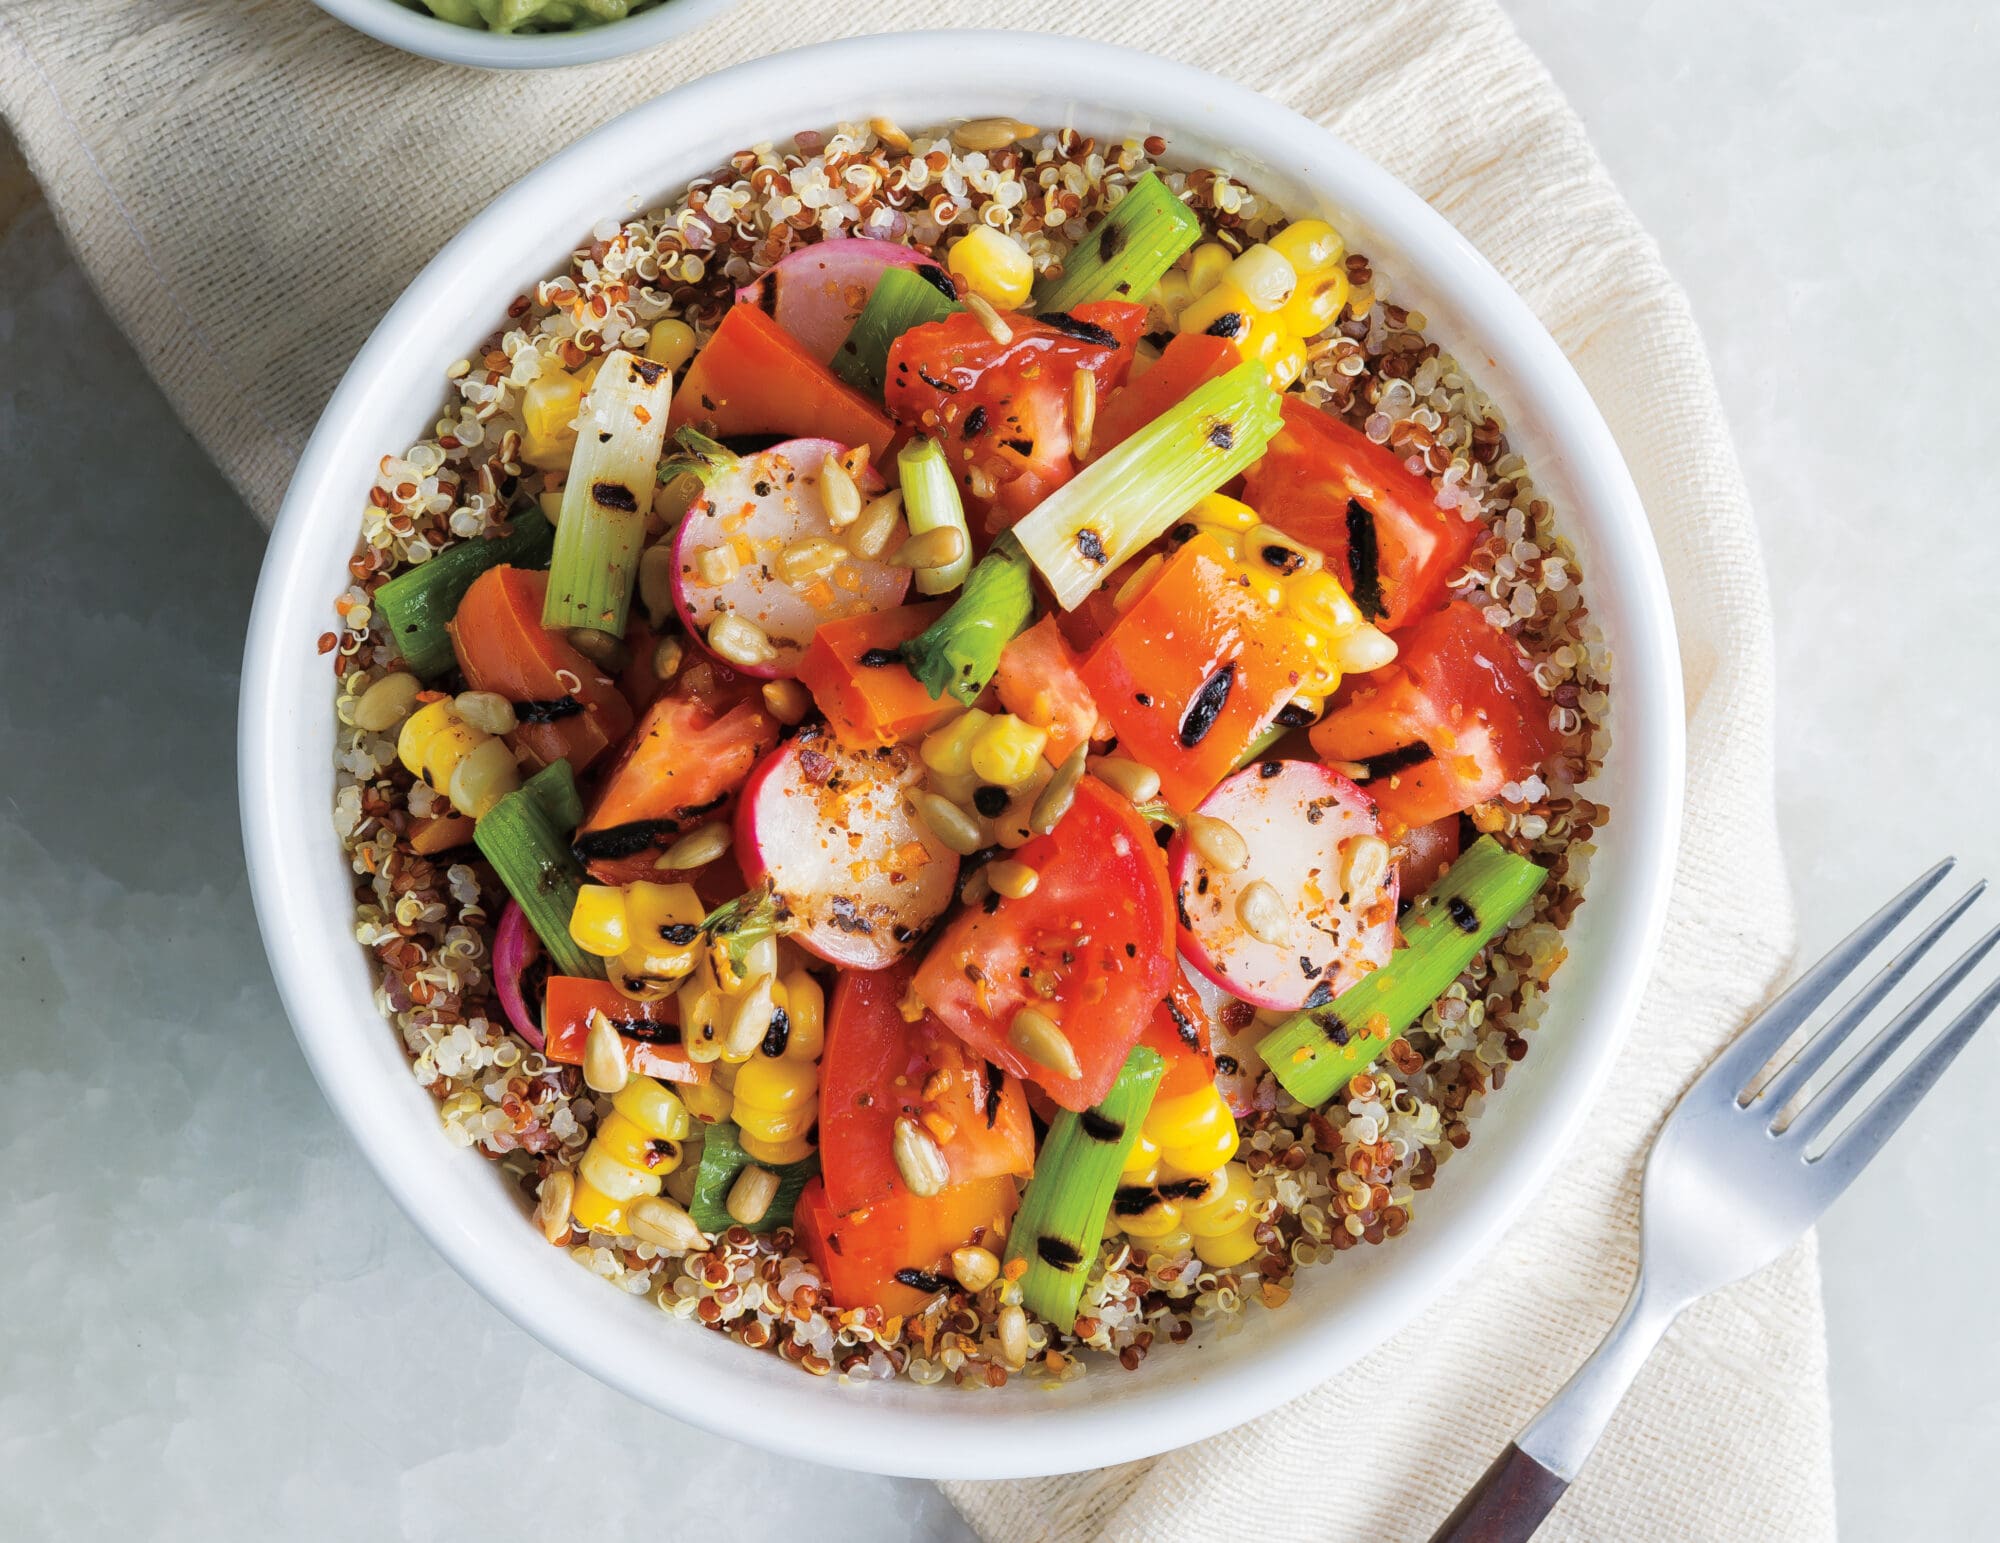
526	838
722	1159
1119	503
1124	257
931	502
417	605
612	477
961	649
1316	1053
1061	1220
903	298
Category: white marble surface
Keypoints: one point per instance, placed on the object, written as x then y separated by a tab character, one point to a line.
211	1303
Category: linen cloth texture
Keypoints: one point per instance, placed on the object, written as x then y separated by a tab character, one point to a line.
249	184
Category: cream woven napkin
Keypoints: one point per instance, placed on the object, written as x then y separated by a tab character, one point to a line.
249	184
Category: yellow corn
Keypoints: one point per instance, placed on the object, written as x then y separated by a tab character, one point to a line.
615	1180
1206	265
598	921
1196	1132
1172	294
1007	750
624	1141
707	1101
438	745
775	1125
1315	305
778	1085
1265	278
775	1154
1159	1219
1222	510
548	418
670	342
595	1211
1145	1157
1210	311
1224	1221
1281	292
1310	246
655	1108
659	919
805	1005
948	750
993	265
1230	1249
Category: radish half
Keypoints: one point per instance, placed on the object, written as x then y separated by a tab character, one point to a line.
1233	1032
816	293
755	509
834	832
1296	817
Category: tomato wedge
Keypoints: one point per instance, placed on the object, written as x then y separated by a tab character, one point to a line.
1179	1030
872	704
1008	404
1451	722
895	1255
1423	853
1376	521
1194	670
1038	681
649	1031
756	378
1191	359
681	766
568	707
878	1066
1092	947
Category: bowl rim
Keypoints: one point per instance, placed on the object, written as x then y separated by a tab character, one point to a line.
1059	1437
431	37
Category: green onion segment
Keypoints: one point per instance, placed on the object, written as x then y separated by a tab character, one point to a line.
418	604
1128	252
525	838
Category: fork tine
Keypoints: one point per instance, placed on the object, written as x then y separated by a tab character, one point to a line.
1849	1080
1766	1035
1815	1052
1853	1148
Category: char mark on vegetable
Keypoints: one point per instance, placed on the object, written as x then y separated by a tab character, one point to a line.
547	711
1329	1024
879	658
1364	561
1111	238
1392	761
1222	435
1193	1188
989	800
648	1031
1133	1199
1090	546
938	280
614	495
1321	994
680	934
996	1084
1082	331
648	370
778	1035
1059	1253
1099	1126
923	1280
1184	1024
627	840
1463	916
1227	325
847	916
934	383
1207	706
975	422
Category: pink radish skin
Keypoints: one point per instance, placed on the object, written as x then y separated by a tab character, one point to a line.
834	832
816	293
1233	1033
1296	817
515	947
733	511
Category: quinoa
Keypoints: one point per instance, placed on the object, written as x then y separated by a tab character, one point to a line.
1326	1181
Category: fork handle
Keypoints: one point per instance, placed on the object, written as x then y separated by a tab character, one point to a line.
1508	1503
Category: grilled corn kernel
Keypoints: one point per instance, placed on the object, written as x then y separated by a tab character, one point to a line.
1221	510
1160	1217
1206	265
1145	1157
1264	276
805	1006
776	1125
1228	1249
1222	311
776	1154
1309	245
1173	293
549	404
662	922
670	342
623	1141
993	265
1007	750
600	922
594	1211
1226	1205
1286	365
482	777
762	1083
707	1101
418	731
1196	1132
948	750
1315	305
613	1179
655	1108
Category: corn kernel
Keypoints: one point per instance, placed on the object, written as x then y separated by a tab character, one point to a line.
805	1006
598	922
1196	1132
776	1154
1309	245
1222	311
1144	1158
775	1125
1227	1250
1315	305
1286	365
993	265
595	1211
1264	277
1225	1206
654	1107
418	730
1206	265
763	1083
707	1101
1221	509
623	1141
1156	1221
549	406
948	750
615	1180
670	342
1007	751
1173	292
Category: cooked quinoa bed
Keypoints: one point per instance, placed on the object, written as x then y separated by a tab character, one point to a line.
1325	1181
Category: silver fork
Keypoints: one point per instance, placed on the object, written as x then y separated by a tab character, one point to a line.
1729	1185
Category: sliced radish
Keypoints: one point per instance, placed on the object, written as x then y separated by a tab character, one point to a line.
1298	819
1233	1033
846	855
752	512
816	292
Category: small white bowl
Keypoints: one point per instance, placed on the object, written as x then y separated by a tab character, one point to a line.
1340	1310
419	32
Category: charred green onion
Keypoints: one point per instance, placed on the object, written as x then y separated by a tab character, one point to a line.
961	649
1061	1220
1125	256
1315	1054
526	838
417	604
931	502
903	298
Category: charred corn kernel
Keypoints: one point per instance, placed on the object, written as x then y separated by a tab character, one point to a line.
1309	245
1007	750
1196	1132
437	744
663	939
948	750
623	1141
763	1083
1144	1159
594	1211
776	1125
1263	275
992	264
776	1153
1226	1206
1159	1217
615	1180
655	1108
1222	310
670	342
805	1007
637	988
707	1101
1206	265
599	923
1315	305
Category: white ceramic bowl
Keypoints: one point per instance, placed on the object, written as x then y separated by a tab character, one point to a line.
419	32
1339	1311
